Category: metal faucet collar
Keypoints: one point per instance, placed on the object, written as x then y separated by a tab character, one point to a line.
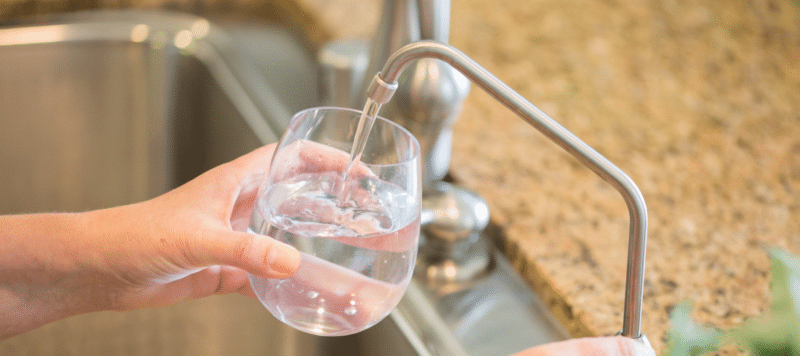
380	91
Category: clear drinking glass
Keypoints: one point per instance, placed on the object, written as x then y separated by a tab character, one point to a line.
358	241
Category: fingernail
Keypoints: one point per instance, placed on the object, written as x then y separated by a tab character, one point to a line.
283	260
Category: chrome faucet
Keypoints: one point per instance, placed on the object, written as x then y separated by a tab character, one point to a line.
431	97
385	83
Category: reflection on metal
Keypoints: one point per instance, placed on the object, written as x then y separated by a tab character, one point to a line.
40	34
139	33
183	39
200	28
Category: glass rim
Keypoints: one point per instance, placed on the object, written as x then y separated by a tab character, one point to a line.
417	149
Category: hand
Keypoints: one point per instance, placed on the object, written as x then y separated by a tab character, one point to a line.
185	244
593	346
304	156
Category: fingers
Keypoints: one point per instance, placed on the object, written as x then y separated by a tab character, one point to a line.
213	280
596	346
246	173
235	185
226	194
260	255
247	291
401	240
304	156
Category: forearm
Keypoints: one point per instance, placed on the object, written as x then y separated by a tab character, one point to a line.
37	270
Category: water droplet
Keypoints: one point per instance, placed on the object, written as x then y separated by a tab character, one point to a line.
321	310
350	310
352	302
312	294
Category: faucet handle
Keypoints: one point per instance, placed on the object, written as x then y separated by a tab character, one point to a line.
451	252
452	213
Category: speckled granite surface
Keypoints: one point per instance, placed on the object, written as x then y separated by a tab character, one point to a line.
698	101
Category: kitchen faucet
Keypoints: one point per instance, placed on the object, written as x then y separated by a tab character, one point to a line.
428	81
384	84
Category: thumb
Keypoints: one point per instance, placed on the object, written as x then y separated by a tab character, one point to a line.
257	254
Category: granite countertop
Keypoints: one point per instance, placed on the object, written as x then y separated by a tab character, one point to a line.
697	101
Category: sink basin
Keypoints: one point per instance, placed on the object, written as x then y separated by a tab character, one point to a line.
104	108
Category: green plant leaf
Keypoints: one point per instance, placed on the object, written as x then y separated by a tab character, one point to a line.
785	286
775	333
778	332
685	337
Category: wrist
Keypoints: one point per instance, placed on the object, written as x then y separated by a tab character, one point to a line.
39	271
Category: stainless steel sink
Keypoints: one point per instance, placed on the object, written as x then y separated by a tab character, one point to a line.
104	108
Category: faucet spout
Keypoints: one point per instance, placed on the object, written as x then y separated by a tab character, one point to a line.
558	134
